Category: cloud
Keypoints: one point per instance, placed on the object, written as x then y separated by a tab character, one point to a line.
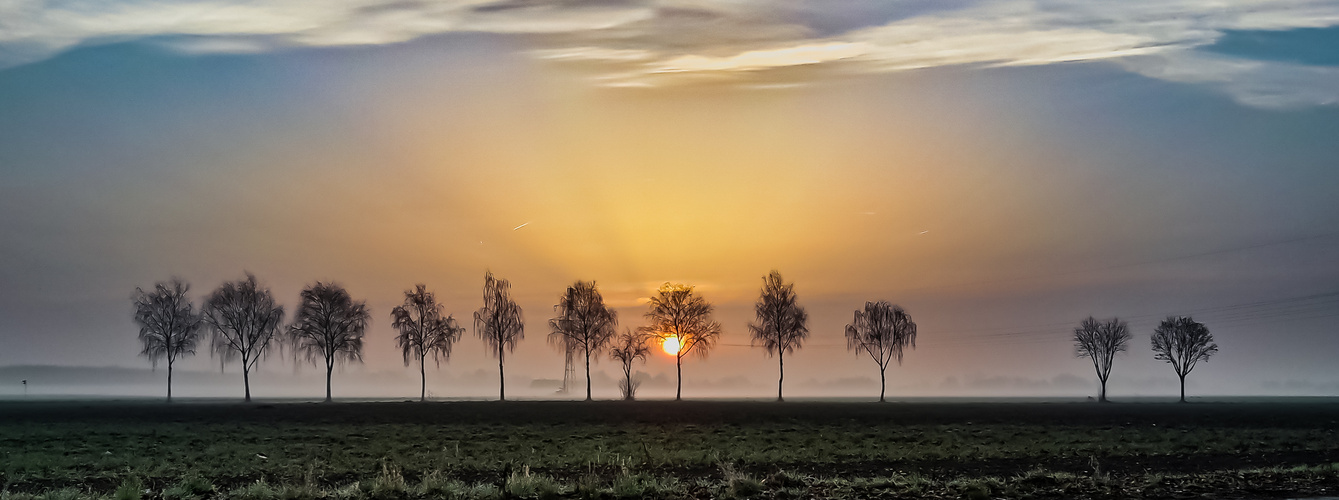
1264	84
648	43
34	29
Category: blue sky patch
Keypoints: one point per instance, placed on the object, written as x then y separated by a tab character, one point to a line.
1313	46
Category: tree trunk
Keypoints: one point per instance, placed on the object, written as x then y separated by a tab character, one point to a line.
1183	388
169	381
422	362
587	374
678	370
883	383
329	367
781	365
423	379
246	380
627	376
501	377
1102	397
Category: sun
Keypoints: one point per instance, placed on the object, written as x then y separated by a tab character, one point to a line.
670	345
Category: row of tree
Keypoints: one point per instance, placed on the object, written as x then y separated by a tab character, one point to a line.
1179	340
244	323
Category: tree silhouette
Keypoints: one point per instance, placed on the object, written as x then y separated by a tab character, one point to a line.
499	324
782	324
883	331
627	349
423	332
328	328
676	312
169	326
1183	342
243	318
1100	341
584	324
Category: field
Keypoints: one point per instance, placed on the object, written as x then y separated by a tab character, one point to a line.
700	449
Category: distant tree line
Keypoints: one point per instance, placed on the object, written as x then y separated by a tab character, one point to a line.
244	323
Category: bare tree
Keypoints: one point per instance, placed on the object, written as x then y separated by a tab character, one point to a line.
243	319
584	324
1183	342
328	328
678	315
782	324
883	331
627	349
424	332
1100	341
169	326
499	324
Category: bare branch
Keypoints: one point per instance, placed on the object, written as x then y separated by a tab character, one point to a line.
328	327
243	318
1100	341
675	311
584	325
884	331
169	325
499	323
1183	342
423	331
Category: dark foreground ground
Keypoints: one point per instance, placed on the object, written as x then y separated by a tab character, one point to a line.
395	451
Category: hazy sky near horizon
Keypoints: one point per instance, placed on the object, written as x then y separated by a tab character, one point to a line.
1002	169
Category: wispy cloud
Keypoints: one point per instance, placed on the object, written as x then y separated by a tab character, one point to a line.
658	42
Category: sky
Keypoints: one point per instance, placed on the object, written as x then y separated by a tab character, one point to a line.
1001	169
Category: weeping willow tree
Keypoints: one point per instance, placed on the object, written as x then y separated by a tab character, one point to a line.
424	332
243	319
169	326
499	324
328	328
584	324
883	331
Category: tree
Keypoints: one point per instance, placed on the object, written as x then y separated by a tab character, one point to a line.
328	328
679	315
424	332
584	324
883	331
1100	341
243	319
782	324
499	324
169	326
627	349
1183	342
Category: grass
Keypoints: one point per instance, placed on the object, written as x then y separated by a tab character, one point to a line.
1038	483
662	450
